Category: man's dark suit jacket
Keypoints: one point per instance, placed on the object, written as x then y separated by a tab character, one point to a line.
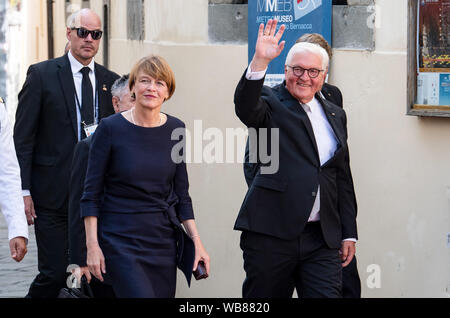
330	92
280	204
351	283
46	128
77	234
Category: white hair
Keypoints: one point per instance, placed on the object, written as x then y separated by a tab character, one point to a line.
120	87
310	48
74	20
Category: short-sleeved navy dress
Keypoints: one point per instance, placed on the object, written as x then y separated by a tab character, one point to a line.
137	186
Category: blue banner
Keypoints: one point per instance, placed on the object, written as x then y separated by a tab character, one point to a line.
299	17
444	89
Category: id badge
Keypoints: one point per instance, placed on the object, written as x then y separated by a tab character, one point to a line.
90	129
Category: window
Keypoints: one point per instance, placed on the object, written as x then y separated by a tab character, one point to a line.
135	20
429	58
353	24
227	21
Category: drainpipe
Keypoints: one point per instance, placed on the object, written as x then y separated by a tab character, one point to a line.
50	42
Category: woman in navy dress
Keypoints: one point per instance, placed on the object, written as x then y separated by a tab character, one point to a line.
136	194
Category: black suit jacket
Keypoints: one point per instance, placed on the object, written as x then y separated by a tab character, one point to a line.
330	92
280	204
333	94
77	234
46	129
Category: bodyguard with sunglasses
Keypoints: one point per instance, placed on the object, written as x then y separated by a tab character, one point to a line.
61	102
299	224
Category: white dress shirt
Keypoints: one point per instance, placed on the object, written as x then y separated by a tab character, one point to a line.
77	79
11	200
326	140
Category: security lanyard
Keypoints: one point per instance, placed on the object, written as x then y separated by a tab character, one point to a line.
95	107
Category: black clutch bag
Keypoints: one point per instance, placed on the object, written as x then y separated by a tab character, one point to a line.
200	272
84	291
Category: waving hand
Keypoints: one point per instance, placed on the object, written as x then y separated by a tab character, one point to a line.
268	45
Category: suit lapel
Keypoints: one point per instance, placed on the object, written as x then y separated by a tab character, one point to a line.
65	77
331	116
102	92
327	94
295	106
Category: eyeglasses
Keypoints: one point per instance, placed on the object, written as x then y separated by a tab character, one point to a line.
299	71
83	33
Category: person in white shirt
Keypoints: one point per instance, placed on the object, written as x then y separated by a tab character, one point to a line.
11	201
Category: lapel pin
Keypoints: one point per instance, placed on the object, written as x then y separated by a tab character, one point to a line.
333	114
104	88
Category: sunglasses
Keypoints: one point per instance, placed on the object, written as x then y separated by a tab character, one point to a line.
83	33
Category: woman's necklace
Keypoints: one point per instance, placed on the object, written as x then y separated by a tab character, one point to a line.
134	122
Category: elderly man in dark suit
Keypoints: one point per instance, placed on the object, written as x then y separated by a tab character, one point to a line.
61	102
299	224
351	283
122	101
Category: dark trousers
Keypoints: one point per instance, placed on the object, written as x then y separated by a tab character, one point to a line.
274	267
351	283
101	290
51	232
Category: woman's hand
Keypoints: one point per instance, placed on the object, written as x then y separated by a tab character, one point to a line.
267	46
200	254
96	261
79	272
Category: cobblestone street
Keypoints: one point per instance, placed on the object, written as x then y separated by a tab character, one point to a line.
15	278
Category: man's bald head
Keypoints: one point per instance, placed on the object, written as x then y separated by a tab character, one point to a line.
82	44
74	20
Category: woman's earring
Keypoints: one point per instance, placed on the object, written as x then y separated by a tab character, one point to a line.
133	95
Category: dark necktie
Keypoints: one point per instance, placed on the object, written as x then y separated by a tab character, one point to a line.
87	100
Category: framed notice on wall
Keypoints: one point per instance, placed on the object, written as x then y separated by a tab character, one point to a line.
432	52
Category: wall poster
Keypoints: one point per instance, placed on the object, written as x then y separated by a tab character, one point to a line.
433	54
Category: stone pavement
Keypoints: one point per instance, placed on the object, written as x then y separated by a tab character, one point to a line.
15	278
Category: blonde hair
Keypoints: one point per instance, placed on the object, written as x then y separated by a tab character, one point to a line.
316	38
158	68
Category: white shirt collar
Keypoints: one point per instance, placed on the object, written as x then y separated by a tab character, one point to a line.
77	66
312	106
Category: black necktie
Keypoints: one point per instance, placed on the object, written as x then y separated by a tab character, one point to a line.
87	100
